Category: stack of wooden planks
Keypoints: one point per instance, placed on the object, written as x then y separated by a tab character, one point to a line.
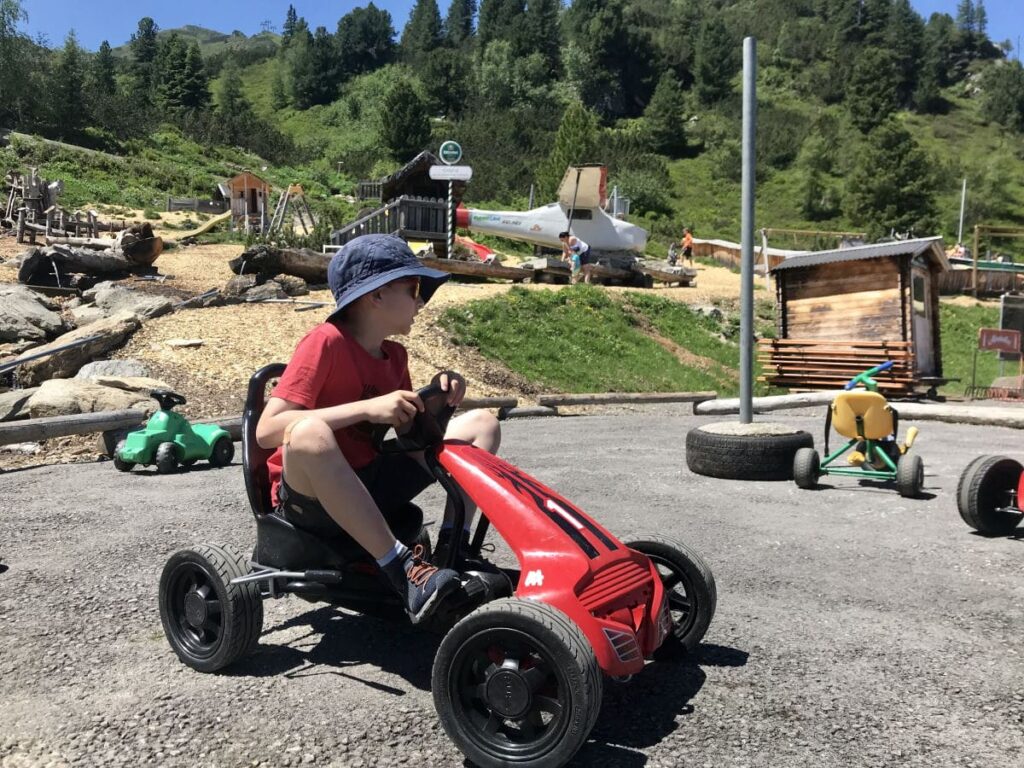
808	364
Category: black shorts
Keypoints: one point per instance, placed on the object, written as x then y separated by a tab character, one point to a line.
587	258
393	480
687	252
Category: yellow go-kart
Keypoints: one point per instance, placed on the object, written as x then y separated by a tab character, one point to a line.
872	450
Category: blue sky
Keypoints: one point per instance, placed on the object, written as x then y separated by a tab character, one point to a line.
114	21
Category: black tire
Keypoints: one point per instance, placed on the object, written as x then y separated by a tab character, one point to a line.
208	621
119	465
166	459
744	457
691	590
223	452
910	475
806	468
532	715
985	491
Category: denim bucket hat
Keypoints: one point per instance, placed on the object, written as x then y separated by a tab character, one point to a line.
372	261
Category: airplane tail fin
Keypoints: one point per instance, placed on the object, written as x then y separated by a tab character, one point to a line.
591	191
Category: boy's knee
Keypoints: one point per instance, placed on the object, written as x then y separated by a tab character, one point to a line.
310	435
482	428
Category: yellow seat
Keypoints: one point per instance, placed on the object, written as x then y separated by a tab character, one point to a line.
869	408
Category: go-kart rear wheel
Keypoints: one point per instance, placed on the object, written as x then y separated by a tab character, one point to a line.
166	459
985	492
119	464
208	621
517	683
690	588
806	468
910	475
223	452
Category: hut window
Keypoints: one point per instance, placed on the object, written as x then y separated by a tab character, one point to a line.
918	284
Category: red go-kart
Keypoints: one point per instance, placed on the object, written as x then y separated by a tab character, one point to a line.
518	675
989	494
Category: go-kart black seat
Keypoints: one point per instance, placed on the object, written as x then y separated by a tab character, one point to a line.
319	542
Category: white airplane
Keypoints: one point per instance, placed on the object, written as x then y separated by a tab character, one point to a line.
583	192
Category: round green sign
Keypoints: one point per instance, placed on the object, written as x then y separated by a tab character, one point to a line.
450	152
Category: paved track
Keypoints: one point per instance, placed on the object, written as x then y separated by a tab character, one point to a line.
854	628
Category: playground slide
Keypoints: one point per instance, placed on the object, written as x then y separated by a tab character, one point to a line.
206	227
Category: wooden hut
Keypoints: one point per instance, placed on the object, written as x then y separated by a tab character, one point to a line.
843	311
249	197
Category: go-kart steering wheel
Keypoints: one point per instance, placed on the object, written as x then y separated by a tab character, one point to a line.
865	378
167	399
427	427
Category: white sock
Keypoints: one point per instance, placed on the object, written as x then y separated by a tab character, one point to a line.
398	550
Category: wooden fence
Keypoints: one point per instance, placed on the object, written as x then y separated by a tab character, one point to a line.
194	204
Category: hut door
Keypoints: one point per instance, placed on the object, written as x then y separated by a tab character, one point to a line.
923	321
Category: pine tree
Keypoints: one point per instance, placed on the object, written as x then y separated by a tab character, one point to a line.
291	21
278	94
232	107
892	185
664	117
458	24
326	77
543	32
575	143
1003	95
144	49
195	85
714	67
871	92
423	32
904	39
301	67
168	73
365	41
500	20
405	128
980	20
445	78
103	69
68	89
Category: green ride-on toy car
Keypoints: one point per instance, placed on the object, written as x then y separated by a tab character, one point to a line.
870	425
168	440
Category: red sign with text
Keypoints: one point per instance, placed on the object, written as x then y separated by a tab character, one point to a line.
999	339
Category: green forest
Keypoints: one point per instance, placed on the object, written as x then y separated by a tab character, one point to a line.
869	116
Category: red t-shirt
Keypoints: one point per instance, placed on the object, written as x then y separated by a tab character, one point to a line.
330	368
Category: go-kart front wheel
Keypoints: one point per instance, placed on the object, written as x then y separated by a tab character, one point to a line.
517	683
690	587
985	494
910	475
223	452
208	621
806	468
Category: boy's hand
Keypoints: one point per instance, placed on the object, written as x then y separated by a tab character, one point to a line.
395	408
452	383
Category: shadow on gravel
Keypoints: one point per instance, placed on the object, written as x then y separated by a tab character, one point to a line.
642	712
1017	535
337	643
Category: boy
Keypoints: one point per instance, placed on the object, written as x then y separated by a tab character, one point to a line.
688	245
345	376
575	250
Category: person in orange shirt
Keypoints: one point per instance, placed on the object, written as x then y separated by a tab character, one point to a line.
688	245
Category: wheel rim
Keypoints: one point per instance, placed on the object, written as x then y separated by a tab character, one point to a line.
195	610
680	590
510	696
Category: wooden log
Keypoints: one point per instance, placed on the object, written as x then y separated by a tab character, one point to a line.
488	402
305	263
73	260
475	269
33	430
618	398
764	404
95	243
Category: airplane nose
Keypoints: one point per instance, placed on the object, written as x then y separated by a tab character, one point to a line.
462	217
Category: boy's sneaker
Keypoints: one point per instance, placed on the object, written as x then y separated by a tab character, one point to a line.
420	585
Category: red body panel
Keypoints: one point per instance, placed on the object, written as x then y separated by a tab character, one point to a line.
613	593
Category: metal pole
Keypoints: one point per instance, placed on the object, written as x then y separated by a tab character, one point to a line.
963	199
747	233
451	221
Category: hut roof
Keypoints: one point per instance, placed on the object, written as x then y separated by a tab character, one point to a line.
924	246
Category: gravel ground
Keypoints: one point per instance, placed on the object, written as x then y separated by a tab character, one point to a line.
854	628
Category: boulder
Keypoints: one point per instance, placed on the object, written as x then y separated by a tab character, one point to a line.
127	367
12	404
239	284
61	397
269	290
26	315
88	314
113	298
110	333
292	285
